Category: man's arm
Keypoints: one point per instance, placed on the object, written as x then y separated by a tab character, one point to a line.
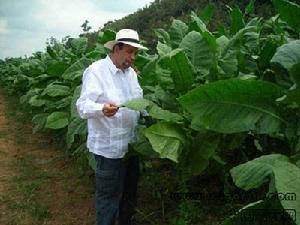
91	90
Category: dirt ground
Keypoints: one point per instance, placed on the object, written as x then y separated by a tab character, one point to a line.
38	183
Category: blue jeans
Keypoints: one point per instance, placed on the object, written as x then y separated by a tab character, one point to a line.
116	186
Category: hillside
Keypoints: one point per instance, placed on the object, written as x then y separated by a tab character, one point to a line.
160	14
221	143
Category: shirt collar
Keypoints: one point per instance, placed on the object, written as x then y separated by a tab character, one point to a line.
112	67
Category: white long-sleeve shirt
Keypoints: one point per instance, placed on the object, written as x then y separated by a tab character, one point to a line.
103	82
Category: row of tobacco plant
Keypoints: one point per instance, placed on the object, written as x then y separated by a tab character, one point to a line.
228	98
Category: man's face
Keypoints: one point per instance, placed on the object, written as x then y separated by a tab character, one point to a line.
126	56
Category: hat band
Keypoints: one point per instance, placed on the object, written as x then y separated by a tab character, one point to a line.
128	39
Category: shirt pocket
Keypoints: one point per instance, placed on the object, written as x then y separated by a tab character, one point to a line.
119	139
97	140
129	118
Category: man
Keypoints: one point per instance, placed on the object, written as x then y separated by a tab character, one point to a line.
106	84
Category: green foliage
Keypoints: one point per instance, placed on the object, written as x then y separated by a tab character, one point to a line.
54	90
182	73
77	126
138	104
237	20
234	105
39	120
153	110
207	13
57	120
206	92
276	169
288	54
289	12
201	152
105	36
198	51
167	139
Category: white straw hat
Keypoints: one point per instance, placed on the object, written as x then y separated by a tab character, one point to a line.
126	36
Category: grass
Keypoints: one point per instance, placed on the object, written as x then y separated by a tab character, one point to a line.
24	201
46	185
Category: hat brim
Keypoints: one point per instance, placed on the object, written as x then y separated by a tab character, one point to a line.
111	44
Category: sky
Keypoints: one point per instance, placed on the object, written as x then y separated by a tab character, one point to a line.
25	25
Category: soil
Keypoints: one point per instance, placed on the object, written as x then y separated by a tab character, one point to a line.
39	184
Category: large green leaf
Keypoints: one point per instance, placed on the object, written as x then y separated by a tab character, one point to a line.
51	52
39	81
76	126
32	67
237	20
237	39
204	147
79	45
161	114
251	41
222	43
138	104
73	108
228	63
39	120
163	49
77	68
207	13
60	103
288	55
105	36
141	60
91	159
55	90
57	120
287	183
197	24
289	12
56	68
147	73
250	7
37	101
167	139
32	92
266	53
234	105
165	99
295	74
294	94
163	36
177	31
198	51
142	145
154	111
98	52
273	168
164	73
211	40
182	72
254	173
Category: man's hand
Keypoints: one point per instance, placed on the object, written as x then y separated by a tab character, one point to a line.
110	109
